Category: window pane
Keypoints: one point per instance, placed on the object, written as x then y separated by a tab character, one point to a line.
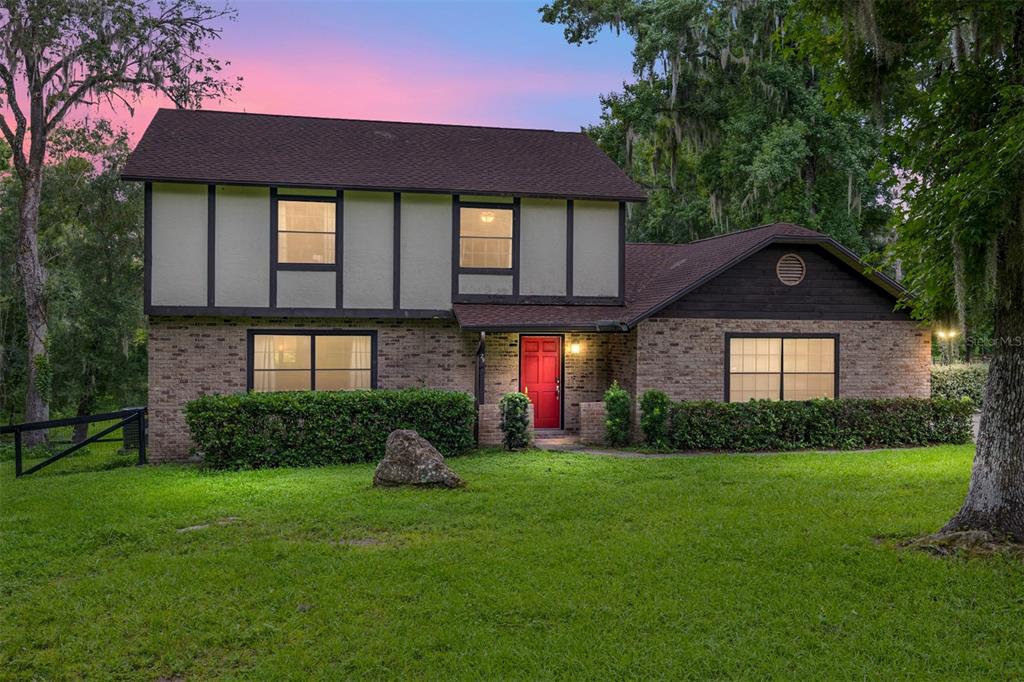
305	247
342	352
486	222
341	379
807	386
744	387
305	216
281	380
281	351
485	252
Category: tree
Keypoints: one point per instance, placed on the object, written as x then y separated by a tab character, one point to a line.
945	80
58	54
91	244
727	125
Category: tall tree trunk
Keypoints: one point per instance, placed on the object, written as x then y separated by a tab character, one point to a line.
995	497
33	282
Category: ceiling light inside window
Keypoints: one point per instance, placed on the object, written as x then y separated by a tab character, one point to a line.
487	217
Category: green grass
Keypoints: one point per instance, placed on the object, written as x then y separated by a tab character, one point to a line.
547	565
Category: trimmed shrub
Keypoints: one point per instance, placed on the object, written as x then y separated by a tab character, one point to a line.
654	411
960	381
617	405
843	424
515	420
311	428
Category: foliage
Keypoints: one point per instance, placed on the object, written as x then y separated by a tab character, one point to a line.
727	126
847	423
57	55
91	242
960	381
515	420
609	553
312	428
618	414
654	412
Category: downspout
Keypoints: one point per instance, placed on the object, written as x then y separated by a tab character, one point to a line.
478	388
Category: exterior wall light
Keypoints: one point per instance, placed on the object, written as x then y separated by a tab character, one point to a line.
575	347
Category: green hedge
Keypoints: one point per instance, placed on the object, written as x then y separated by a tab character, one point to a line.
959	381
310	428
847	423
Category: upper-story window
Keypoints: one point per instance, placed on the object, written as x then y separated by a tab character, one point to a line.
485	238
305	231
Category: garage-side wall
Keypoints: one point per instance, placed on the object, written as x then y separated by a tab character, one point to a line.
190	357
877	358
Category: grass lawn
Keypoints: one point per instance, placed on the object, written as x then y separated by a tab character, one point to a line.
548	565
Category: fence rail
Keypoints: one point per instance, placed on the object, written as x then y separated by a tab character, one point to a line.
124	417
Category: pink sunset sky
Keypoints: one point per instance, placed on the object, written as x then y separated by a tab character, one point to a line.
481	62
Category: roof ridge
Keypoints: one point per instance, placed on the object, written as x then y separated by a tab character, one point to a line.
372	120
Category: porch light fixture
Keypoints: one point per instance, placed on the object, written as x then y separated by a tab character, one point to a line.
487	217
575	347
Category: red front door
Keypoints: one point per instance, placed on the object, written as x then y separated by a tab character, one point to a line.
540	378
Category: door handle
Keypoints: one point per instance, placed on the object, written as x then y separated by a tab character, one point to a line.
558	388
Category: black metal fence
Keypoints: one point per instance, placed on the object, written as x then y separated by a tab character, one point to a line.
132	421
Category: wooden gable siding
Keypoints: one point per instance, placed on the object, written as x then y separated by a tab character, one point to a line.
831	290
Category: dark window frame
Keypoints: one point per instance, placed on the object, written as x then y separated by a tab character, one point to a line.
250	342
308	267
512	206
782	364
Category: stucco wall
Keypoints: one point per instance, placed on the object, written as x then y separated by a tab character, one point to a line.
299	289
595	259
242	247
179	244
426	254
485	284
542	247
877	358
368	250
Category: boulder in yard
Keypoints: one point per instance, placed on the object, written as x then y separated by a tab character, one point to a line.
410	459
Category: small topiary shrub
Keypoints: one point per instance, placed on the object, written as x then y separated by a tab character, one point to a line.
654	411
843	424
960	381
617	406
311	428
515	420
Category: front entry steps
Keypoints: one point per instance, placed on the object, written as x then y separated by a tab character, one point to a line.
555	439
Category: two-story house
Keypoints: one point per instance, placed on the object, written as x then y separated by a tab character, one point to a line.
297	253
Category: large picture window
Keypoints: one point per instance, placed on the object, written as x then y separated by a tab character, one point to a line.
485	238
322	361
781	367
305	231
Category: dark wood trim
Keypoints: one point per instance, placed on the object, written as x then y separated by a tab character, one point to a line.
622	249
306	267
396	259
782	366
147	239
250	335
211	243
506	272
516	206
508	299
455	246
480	384
302	197
233	311
273	247
561	376
499	205
339	249
569	216
369	188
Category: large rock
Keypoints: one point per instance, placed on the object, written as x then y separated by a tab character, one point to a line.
410	460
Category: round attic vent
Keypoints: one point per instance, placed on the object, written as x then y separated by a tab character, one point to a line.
791	269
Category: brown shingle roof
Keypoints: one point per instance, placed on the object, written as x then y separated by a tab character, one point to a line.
657	275
228	147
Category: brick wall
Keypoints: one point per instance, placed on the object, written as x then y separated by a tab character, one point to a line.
877	359
189	357
490	425
592	431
